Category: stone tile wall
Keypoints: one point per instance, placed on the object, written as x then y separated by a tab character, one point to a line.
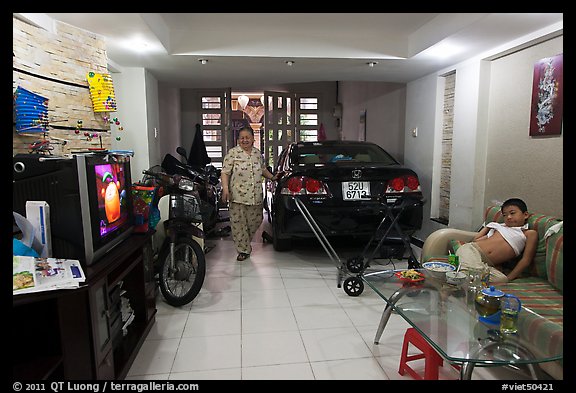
54	65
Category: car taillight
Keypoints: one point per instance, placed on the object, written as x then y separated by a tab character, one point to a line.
412	182
397	184
294	184
303	185
313	185
403	184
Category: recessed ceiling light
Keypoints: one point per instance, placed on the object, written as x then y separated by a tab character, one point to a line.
203	61
289	63
372	63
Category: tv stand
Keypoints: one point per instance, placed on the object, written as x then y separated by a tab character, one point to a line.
95	331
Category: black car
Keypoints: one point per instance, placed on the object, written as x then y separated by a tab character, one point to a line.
346	186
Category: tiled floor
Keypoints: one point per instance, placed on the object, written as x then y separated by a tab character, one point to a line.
277	316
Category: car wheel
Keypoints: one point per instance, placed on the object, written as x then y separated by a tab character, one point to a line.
280	244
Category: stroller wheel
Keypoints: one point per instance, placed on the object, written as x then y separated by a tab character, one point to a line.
354	264
353	286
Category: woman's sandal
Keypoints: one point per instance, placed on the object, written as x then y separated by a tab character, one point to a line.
242	256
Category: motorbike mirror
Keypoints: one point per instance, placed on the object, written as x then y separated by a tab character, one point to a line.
180	150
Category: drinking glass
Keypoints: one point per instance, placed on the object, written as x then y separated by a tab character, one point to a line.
509	309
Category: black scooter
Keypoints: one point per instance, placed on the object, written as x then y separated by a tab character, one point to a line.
207	180
179	259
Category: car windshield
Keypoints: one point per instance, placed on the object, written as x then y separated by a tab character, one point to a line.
322	154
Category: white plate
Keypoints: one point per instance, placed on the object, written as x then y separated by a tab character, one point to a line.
355	190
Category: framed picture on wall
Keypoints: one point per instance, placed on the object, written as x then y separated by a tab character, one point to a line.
547	97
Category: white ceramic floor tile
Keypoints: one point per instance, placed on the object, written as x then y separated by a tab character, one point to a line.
216	301
311	296
367	314
390	343
277	319
304	282
259	269
213	323
323	316
334	343
163	308
213	375
261	349
223	268
265	299
207	353
298	371
280	316
258	283
155	357
168	326
295	268
149	377
349	369
221	284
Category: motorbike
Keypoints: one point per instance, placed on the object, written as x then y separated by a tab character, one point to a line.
207	180
180	262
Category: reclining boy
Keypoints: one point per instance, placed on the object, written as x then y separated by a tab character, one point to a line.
497	244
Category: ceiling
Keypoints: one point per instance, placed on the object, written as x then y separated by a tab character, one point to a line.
245	50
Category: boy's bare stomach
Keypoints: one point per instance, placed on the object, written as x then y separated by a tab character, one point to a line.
496	248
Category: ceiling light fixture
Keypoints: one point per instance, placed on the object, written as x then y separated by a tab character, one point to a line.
372	63
203	61
243	101
289	63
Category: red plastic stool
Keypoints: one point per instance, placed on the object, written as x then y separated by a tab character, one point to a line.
433	360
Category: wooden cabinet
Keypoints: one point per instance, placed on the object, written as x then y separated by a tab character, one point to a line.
93	332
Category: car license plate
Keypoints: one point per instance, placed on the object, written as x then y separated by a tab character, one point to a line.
355	190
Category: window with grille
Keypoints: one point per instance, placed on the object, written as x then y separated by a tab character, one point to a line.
308	120
213	126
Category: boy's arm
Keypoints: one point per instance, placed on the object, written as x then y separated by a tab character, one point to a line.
527	255
481	234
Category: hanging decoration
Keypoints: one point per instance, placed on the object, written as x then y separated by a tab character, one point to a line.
31	111
243	101
547	97
103	99
101	92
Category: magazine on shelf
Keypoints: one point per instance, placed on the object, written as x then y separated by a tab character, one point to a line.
30	274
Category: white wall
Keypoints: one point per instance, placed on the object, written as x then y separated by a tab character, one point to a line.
152	119
493	157
169	109
130	91
518	164
384	104
464	207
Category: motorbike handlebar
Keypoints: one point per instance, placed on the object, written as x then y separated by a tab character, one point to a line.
163	177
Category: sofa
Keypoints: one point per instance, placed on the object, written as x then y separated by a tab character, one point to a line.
540	287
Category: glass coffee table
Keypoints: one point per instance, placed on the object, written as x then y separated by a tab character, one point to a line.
445	317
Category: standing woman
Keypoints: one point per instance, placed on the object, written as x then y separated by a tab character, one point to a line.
242	172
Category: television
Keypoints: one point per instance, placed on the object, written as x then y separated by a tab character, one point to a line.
89	198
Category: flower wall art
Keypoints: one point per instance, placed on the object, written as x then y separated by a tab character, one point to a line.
547	101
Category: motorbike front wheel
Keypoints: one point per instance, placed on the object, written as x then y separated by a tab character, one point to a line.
181	283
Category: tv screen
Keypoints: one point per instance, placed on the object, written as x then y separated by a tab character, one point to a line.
111	193
108	187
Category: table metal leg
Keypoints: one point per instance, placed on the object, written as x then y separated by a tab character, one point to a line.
387	311
534	369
